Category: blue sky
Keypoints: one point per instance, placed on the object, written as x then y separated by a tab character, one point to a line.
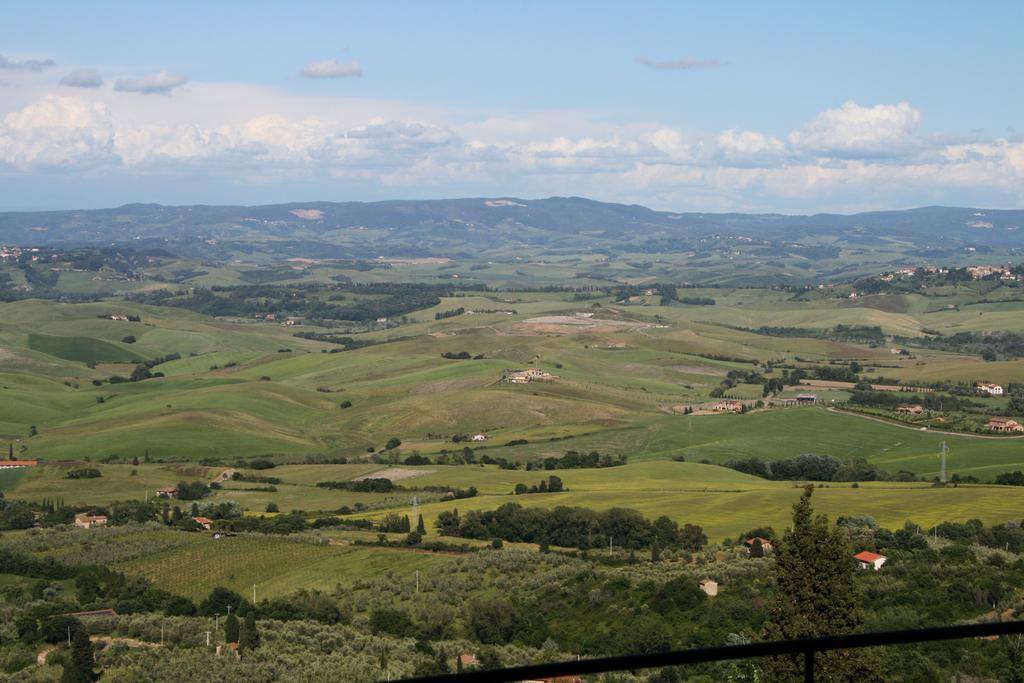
792	107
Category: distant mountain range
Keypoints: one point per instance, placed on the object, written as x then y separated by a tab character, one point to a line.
472	227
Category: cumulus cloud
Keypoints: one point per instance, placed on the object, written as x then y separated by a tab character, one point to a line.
822	164
749	146
25	64
853	129
160	83
332	68
681	64
82	78
58	131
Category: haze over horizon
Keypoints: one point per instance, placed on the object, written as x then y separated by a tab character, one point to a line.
748	109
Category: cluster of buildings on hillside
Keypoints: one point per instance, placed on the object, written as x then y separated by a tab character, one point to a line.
528	375
10	253
996	424
732	405
976	272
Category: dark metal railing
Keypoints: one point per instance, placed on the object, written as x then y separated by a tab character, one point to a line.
806	647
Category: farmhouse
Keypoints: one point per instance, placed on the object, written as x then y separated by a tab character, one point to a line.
615	344
1002	424
910	408
806	399
203	522
468	659
169	492
990	389
15	464
766	545
728	405
709	586
84	521
479	437
869	560
292	322
528	375
119	317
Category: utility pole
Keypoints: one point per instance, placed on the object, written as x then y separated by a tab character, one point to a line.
943	452
254	595
417	580
207	639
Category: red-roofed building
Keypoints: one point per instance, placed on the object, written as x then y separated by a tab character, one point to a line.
13	464
869	560
203	522
766	545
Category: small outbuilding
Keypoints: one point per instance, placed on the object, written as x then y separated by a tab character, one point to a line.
869	560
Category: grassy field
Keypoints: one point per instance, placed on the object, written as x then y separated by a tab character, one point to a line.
724	511
276	566
244	389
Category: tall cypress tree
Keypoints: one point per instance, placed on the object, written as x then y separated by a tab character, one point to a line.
250	636
80	662
231	629
421	528
815	595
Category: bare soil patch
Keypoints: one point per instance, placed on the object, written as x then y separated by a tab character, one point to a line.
570	324
394	474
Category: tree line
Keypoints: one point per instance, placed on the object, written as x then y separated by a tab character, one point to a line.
571	527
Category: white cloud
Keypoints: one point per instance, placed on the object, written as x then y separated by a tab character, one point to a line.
839	157
82	78
745	145
160	83
682	64
332	68
853	129
57	131
25	64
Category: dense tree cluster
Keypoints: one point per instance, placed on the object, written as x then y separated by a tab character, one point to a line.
811	467
571	527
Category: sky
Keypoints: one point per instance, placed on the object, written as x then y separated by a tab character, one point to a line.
714	106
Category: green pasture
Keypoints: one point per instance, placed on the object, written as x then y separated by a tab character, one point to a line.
82	349
276	566
726	511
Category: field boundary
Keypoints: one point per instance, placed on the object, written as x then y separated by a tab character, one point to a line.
937	430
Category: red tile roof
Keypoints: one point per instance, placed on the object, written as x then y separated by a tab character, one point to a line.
868	556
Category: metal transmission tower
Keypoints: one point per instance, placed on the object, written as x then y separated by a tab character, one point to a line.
943	452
